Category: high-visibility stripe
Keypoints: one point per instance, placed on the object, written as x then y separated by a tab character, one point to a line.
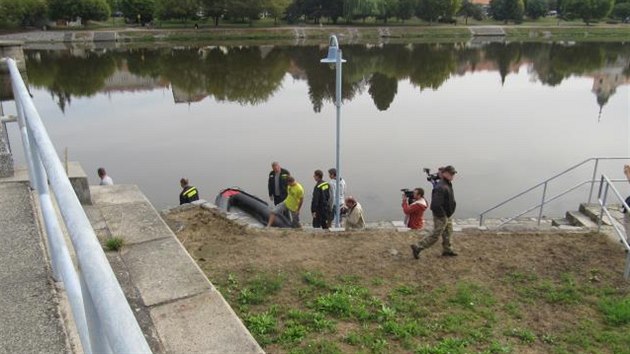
191	192
323	186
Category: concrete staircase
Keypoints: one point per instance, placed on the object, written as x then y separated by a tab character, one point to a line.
588	217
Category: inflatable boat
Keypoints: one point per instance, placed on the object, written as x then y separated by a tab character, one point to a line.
238	201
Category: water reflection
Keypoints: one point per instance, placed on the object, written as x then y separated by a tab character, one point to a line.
251	75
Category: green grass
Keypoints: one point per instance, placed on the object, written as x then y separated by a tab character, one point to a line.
114	243
307	312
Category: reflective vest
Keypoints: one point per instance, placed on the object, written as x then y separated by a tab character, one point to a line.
189	194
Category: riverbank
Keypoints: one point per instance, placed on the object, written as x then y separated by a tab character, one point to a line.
317	34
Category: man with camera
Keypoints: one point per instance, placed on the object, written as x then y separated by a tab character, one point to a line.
443	207
414	206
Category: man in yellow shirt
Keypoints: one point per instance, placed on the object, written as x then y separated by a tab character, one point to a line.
292	203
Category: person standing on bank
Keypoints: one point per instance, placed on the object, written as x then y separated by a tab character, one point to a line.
415	210
332	173
292	204
443	207
105	179
188	194
320	204
277	184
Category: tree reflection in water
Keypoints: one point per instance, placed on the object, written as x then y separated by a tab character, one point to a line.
250	75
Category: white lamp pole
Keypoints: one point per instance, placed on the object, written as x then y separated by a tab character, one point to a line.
334	56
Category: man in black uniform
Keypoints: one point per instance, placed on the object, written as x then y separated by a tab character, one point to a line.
320	207
443	207
277	183
188	194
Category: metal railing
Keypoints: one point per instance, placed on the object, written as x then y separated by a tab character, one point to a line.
544	184
102	315
602	197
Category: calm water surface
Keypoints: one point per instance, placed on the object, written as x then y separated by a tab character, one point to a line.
507	116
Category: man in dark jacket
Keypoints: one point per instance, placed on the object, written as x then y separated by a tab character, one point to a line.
277	183
320	207
443	207
188	194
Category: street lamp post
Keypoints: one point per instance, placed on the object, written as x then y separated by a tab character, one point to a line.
334	56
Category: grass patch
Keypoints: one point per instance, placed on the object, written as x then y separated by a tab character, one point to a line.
616	311
114	243
259	289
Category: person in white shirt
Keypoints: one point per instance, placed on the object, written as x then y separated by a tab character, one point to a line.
332	173
105	179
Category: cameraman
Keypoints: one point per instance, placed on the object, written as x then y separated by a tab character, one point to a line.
414	212
443	207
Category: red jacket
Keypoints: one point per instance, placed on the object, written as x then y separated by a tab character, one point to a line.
415	211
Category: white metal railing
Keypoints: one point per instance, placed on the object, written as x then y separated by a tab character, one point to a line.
544	200
602	197
102	315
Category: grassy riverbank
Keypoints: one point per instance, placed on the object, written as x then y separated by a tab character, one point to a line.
362	292
367	34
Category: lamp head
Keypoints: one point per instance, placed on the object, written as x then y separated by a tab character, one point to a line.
333	49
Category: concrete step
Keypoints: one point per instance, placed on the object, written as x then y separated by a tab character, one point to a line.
28	300
576	218
561	222
593	212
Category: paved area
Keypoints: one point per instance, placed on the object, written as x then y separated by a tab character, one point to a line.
178	309
29	317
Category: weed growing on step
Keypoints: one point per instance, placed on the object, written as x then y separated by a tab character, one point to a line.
114	243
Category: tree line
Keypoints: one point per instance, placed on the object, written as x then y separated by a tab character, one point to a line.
38	12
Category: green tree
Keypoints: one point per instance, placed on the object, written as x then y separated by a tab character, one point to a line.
214	9
468	9
430	10
132	8
506	10
86	9
451	7
245	10
276	8
23	12
587	10
386	9
621	10
176	9
536	8
405	9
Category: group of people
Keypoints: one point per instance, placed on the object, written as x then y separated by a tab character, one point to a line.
287	195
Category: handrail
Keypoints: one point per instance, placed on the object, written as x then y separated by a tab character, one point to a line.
557	196
103	317
545	184
602	197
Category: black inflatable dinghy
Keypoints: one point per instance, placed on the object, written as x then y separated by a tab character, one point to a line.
235	198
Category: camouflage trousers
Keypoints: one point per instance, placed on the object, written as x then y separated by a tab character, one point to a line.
442	227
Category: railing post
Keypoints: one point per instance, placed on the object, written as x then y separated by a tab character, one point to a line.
626	272
480	220
542	203
601	213
21	119
590	194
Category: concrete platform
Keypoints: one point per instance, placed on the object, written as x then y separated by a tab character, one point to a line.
30	320
177	307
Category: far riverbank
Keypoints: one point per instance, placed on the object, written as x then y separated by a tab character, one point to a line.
311	34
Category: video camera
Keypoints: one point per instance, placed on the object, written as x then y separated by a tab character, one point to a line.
409	194
431	177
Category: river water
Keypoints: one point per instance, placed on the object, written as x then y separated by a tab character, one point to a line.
507	116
